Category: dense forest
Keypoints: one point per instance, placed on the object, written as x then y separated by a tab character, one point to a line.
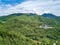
29	29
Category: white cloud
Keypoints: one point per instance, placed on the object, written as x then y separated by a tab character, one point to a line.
32	6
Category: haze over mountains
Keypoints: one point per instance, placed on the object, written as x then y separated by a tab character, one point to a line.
47	15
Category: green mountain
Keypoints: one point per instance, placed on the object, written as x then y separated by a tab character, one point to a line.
29	29
49	15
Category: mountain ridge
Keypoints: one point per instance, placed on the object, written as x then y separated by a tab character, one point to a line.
49	15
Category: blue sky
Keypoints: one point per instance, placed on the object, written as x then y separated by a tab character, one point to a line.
12	2
29	6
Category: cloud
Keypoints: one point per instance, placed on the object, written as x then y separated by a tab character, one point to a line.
31	6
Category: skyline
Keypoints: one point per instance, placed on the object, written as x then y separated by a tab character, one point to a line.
29	6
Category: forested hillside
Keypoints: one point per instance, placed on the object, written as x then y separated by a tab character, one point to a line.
29	29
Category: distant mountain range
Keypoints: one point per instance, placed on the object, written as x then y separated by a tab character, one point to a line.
47	15
18	14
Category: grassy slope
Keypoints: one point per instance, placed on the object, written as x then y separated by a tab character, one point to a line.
25	30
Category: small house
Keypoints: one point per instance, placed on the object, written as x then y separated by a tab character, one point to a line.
45	27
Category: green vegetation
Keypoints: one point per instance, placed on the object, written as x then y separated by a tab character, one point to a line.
25	30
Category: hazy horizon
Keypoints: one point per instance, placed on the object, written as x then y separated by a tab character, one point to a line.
29	6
